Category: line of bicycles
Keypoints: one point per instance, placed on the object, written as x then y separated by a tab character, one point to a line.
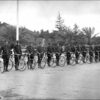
23	62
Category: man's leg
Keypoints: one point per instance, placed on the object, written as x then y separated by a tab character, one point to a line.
7	63
95	58
90	59
28	63
48	60
57	59
83	54
31	61
39	60
4	64
76	59
68	60
16	62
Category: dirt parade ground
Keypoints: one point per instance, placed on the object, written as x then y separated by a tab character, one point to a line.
69	82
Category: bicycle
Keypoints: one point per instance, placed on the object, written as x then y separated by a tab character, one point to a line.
73	59
43	59
31	65
80	59
87	58
62	60
10	65
53	60
1	64
22	62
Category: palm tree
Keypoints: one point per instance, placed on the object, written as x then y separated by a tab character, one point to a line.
90	33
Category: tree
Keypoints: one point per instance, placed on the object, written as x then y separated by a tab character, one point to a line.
10	34
59	23
76	29
89	32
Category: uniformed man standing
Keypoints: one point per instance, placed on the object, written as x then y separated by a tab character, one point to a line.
99	51
40	53
57	53
17	54
5	51
91	53
84	52
49	53
68	54
31	53
77	53
96	53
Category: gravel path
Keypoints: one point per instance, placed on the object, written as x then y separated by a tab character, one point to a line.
69	82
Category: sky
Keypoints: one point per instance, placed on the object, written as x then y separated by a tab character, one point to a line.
37	15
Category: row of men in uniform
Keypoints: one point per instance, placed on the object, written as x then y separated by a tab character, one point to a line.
58	50
91	50
40	51
5	51
49	50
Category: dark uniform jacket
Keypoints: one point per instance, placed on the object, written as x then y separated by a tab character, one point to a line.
50	49
68	50
73	49
57	49
17	49
5	51
30	49
40	49
96	50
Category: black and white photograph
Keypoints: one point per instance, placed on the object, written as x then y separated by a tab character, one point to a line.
49	49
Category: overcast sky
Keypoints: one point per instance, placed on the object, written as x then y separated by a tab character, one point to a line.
37	15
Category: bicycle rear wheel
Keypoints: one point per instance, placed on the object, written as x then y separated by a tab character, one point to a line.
53	62
80	59
62	61
73	59
34	64
43	64
22	64
87	59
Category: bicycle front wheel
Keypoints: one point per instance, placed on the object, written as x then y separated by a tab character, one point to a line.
1	65
10	65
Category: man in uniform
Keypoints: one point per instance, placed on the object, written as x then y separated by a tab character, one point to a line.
77	50
84	51
73	49
68	54
57	53
91	53
17	53
49	53
99	51
96	53
31	53
40	53
5	51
